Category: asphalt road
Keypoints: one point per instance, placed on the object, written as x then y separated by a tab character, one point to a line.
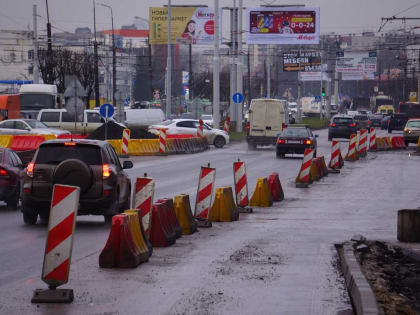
278	260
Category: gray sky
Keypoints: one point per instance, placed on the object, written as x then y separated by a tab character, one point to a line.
339	16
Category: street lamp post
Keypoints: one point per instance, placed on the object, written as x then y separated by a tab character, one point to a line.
169	65
114	68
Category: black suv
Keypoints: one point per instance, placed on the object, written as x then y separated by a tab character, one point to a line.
91	165
341	126
397	122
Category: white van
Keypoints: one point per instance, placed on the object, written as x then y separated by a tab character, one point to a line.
266	121
85	123
143	118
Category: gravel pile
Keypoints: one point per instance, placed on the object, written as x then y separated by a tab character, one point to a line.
115	132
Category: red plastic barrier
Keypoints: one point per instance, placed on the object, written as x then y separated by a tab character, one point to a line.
275	187
173	221
26	142
160	235
395	144
187	136
77	136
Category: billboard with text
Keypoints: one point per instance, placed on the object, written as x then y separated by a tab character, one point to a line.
283	25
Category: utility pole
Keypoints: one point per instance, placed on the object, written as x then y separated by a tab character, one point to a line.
249	77
239	68
35	43
268	64
190	75
169	65
216	69
233	106
95	52
299	96
49	75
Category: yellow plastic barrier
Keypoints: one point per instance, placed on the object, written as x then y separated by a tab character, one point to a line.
262	195
184	214
5	141
136	230
224	208
50	137
143	146
116	144
133	222
418	143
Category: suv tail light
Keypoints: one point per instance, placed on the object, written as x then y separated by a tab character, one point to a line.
248	126
281	141
333	125
105	171
283	125
3	173
30	169
352	125
307	141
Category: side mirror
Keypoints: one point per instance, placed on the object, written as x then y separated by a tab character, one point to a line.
316	136
127	165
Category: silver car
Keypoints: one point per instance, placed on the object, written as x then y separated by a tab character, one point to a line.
27	127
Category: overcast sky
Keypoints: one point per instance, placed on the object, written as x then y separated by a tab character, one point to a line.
339	16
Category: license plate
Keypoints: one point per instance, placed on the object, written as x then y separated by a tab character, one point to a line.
293	141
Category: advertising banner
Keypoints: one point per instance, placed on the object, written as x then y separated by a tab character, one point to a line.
356	62
304	61
359	76
190	25
283	25
313	76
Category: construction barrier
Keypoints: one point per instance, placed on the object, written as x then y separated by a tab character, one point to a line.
372	142
336	161
315	171
204	192
275	187
380	144
125	140
59	245
171	215
71	136
397	143
363	143
120	250
262	195
200	129
143	200
184	214
162	141
26	142
226	125
143	233
303	178
224	208
135	229
162	234
352	152
241	183
6	141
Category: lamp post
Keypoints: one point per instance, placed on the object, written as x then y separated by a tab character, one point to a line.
95	51
169	65
114	68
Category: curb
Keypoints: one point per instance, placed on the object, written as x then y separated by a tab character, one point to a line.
361	294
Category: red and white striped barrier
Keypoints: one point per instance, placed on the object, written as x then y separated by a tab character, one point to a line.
241	184
226	124
125	139
372	146
335	155
363	142
204	192
162	141
143	200
303	176
200	129
352	153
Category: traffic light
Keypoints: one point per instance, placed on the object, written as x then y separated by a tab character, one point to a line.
323	92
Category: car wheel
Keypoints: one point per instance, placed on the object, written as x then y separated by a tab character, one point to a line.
251	146
406	143
315	153
329	138
13	201
279	155
30	218
108	219
389	130
126	205
219	142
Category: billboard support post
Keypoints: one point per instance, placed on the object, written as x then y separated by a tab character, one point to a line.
239	69
169	65
216	69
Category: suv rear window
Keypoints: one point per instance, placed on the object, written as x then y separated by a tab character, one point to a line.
343	120
56	153
361	117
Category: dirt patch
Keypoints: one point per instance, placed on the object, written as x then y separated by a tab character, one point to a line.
200	302
394	277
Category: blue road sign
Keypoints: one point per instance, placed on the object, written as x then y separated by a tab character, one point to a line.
106	110
237	98
127	101
317	98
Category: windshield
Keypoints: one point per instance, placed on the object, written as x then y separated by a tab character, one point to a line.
56	153
36	101
36	124
343	120
206	117
415	123
295	132
360	117
166	122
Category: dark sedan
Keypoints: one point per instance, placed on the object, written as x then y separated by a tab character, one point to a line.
11	177
376	120
295	140
341	126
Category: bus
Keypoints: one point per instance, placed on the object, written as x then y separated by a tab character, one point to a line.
34	97
410	109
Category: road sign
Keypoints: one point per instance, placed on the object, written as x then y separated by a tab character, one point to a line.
237	98
305	61
127	101
106	110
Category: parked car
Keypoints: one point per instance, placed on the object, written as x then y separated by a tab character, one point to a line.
397	122
216	137
362	121
385	122
207	119
295	140
376	120
91	165
11	177
411	131
341	126
26	127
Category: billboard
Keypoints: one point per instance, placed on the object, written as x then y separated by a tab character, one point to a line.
285	25
190	25
356	63
304	61
314	76
359	76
